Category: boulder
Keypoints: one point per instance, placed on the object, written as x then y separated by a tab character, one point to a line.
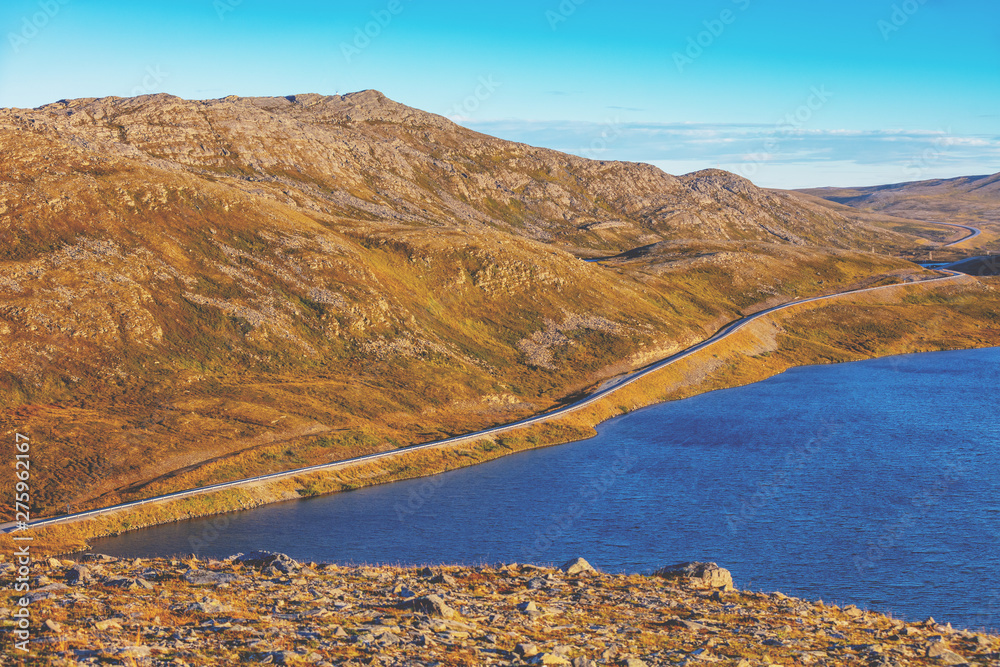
526	649
706	575
79	575
938	651
577	566
432	605
268	563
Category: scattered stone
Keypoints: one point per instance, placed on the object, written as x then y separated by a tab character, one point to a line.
209	606
129	583
632	662
107	624
134	652
443	578
354	616
97	558
686	624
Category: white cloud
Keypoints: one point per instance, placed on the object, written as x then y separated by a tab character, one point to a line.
771	155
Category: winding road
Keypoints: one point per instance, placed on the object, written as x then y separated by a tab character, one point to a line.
725	332
973	232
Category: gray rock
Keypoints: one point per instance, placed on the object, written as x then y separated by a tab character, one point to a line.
938	651
432	605
686	624
538	582
577	566
208	577
526	650
134	652
700	574
97	558
209	606
79	575
269	562
53	588
443	578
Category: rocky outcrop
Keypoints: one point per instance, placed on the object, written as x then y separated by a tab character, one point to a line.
333	615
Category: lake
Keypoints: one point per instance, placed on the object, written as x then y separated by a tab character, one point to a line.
875	483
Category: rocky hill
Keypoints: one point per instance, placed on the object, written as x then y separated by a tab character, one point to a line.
193	291
972	200
364	157
266	608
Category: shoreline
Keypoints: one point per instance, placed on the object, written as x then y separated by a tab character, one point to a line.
689	372
265	607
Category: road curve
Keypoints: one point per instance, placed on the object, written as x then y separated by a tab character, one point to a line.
725	332
973	232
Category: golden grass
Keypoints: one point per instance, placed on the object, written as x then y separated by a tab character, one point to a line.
913	318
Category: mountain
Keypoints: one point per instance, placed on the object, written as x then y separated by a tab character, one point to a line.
364	157
970	200
193	291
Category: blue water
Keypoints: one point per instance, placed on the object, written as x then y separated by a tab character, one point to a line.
875	483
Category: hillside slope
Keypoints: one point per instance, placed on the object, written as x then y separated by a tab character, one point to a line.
248	285
969	200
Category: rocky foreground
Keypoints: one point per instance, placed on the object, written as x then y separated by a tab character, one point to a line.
267	608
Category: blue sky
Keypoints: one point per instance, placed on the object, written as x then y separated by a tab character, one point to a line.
788	93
